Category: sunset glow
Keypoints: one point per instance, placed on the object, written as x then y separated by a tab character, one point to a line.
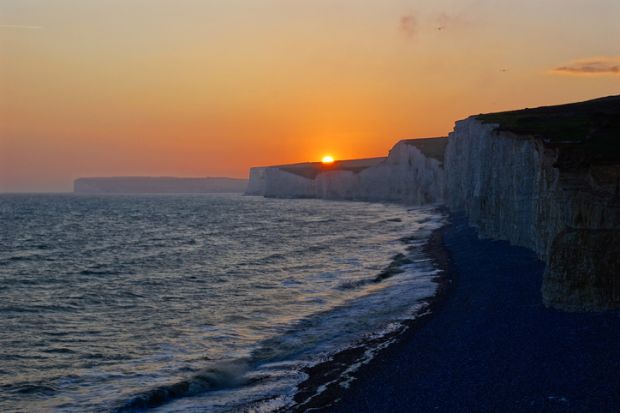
211	88
327	159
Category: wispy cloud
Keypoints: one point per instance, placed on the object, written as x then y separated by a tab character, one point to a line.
411	25
20	27
596	66
445	20
408	25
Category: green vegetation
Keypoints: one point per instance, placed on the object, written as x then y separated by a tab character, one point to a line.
586	133
552	128
431	147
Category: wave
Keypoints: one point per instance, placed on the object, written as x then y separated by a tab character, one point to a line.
29	388
221	375
397	266
98	272
311	339
144	325
20	258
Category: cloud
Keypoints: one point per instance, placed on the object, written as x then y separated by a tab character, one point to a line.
408	25
444	20
411	25
596	66
20	27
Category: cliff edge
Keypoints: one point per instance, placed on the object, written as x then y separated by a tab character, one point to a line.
547	179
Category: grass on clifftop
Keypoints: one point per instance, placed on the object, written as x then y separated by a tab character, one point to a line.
586	133
431	147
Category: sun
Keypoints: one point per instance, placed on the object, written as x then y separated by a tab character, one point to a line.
327	159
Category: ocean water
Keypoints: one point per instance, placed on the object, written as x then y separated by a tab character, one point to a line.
205	303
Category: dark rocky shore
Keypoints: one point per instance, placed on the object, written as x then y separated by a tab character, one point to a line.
489	346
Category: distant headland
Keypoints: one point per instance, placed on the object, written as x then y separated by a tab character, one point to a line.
158	185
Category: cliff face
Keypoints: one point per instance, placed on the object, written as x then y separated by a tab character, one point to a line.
406	176
299	180
511	188
547	179
411	174
256	183
280	183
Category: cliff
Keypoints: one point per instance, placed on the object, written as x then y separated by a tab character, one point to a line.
299	180
412	173
547	179
141	185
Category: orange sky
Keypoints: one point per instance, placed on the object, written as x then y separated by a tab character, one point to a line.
210	88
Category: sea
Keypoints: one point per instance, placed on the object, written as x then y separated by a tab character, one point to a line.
196	303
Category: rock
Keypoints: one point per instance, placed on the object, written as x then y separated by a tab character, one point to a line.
511	188
583	270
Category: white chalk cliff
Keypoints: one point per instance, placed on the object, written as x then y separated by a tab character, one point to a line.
547	179
510	188
408	175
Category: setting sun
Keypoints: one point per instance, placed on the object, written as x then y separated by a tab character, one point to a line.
327	159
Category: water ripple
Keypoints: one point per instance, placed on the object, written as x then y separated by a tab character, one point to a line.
131	302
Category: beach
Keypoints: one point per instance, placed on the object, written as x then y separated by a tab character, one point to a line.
489	344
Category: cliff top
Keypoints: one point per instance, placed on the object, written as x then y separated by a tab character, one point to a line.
311	169
431	147
586	133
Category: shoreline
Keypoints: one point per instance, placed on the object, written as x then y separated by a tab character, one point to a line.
491	345
488	344
323	387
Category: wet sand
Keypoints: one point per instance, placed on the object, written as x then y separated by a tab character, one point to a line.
488	346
